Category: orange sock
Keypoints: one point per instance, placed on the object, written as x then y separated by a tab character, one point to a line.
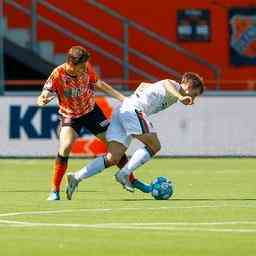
61	164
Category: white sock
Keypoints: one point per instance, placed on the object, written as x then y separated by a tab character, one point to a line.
140	157
96	166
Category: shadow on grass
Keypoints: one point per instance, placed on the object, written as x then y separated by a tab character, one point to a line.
214	199
44	191
184	199
137	199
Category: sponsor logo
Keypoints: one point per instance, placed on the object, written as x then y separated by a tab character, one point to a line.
73	92
34	122
29	123
243	35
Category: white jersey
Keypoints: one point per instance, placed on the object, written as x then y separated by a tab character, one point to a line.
131	118
152	99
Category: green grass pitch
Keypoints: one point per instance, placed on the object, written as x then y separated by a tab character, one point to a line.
213	211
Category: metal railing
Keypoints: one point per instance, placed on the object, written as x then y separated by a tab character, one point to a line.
75	37
2	32
33	41
214	68
123	45
244	88
35	17
124	62
250	84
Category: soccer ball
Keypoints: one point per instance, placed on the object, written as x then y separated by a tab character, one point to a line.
162	188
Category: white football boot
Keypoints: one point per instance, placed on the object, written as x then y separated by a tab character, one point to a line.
72	184
123	179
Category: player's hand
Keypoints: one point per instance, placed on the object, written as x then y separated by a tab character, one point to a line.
43	100
186	100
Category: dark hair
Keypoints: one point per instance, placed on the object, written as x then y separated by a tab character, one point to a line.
77	55
194	79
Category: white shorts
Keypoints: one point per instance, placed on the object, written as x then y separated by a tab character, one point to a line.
126	123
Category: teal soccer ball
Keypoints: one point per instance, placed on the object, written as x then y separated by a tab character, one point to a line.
162	188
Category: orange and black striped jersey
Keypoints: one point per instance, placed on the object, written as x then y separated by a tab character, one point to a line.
76	95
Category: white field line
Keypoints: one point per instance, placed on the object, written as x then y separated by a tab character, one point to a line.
180	223
138	224
123	209
110	209
130	226
192	229
53	212
175	226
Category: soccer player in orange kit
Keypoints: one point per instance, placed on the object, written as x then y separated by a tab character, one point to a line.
74	84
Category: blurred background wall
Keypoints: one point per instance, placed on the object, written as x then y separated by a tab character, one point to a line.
133	41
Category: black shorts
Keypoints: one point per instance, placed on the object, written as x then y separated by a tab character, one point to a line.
94	121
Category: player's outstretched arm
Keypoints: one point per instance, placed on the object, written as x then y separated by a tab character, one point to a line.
106	88
170	87
44	98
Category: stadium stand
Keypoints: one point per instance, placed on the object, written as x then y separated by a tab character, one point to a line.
115	33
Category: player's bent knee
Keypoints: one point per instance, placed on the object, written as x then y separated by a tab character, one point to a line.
157	147
154	147
65	150
113	159
64	153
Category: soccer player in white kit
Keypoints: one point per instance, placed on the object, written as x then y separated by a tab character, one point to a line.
130	120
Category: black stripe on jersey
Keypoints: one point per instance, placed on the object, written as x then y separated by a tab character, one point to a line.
144	122
142	126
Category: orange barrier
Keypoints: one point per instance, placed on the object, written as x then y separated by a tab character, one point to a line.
24	82
132	84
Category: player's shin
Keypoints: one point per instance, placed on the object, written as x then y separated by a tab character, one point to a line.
140	157
60	168
93	168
